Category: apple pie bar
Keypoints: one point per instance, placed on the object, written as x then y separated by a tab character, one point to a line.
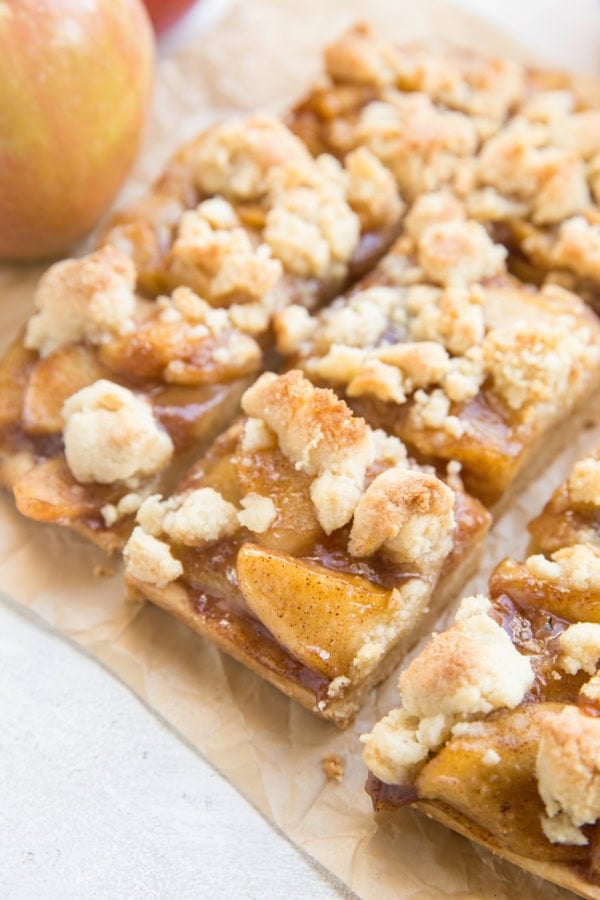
520	146
442	347
307	545
498	735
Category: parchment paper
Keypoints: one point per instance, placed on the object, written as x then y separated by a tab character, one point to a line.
270	748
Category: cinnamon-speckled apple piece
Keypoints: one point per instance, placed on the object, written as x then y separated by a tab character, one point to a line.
561	599
52	380
320	616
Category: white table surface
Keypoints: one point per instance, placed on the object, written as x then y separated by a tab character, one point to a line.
97	797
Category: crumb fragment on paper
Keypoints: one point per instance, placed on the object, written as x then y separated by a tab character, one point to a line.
333	766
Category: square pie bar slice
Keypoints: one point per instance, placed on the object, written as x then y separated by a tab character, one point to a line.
498	735
441	347
520	146
249	187
104	393
307	545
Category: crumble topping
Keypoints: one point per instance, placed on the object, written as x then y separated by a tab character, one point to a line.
457	253
150	560
467	671
218	258
319	434
256	436
193	333
487	87
128	504
533	363
578	247
475	605
234	158
568	774
372	191
310	226
293	325
194	518
430	209
258	513
577	566
580	648
409	514
418	142
333	767
110	435
453	317
584	482
518	162
359	56
360	321
88	299
405	607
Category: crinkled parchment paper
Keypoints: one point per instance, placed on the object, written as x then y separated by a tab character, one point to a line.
262	55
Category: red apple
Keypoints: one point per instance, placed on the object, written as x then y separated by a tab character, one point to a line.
75	84
166	12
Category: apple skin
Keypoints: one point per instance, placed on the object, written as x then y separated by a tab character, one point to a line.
165	13
75	85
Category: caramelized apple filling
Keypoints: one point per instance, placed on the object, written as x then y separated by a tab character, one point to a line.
309	538
246	217
442	348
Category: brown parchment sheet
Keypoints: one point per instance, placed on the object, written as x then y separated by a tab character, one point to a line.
262	54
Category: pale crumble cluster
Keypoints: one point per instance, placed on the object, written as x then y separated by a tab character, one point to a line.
577	246
580	648
410	514
463	674
523	163
576	567
111	435
309	212
150	560
420	143
584	482
319	434
90	299
568	774
234	158
128	504
405	607
215	255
